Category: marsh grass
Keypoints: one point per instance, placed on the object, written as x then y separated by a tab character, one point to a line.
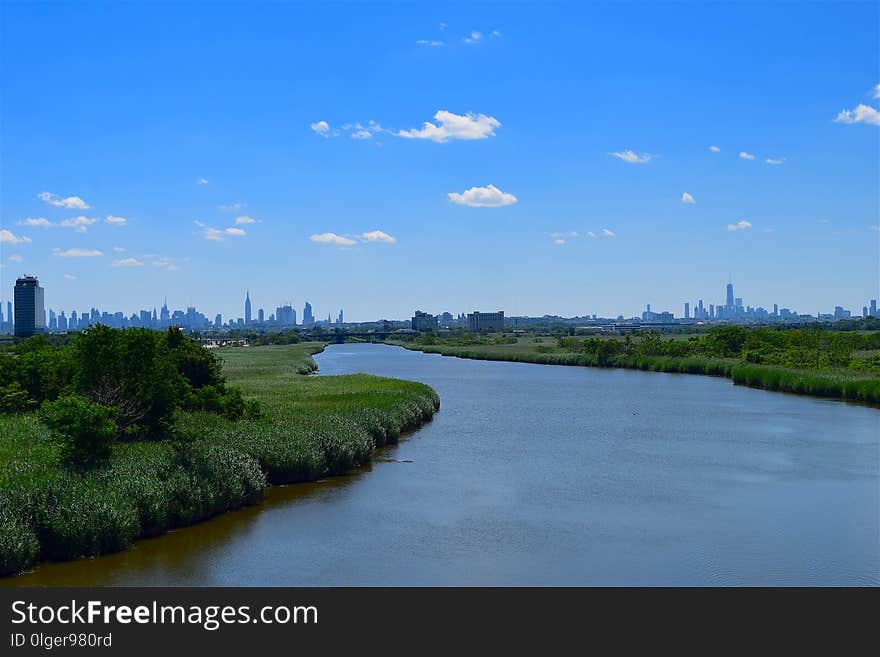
837	383
309	428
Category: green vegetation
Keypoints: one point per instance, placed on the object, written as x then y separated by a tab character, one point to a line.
76	480
828	363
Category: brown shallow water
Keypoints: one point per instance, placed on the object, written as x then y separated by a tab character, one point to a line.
536	474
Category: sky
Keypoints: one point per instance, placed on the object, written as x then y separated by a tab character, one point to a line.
564	158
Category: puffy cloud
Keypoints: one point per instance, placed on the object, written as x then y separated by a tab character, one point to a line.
483	197
202	181
559	241
361	134
608	233
631	157
245	220
429	42
160	261
861	114
116	221
377	236
8	237
119	249
714	149
16	257
38	222
739	225
451	126
69	277
321	128
79	224
238	232
771	160
687	198
71	202
77	253
877	91
473	37
332	238
128	262
746	156
590	233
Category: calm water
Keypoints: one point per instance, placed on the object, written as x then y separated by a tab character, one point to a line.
533	474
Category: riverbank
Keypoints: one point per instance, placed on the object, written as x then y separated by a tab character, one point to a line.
834	383
309	428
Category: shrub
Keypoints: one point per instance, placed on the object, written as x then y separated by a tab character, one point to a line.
85	429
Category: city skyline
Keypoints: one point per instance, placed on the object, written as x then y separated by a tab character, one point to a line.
285	315
393	173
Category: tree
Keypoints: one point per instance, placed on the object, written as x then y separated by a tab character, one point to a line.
86	430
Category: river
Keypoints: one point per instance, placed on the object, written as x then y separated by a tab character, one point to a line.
550	475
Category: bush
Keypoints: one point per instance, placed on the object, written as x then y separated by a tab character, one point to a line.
86	430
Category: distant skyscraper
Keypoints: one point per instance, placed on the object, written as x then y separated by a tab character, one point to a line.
687	310
261	316
53	322
873	307
339	320
247	307
164	315
308	318
30	317
730	300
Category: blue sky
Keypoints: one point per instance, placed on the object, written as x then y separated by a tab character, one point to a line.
309	122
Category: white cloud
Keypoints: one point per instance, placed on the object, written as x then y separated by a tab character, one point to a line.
362	134
496	34
377	236
631	157
608	233
332	238
687	198
591	234
71	202
746	156
8	237
483	197
119	249
16	257
429	42
739	225
861	114
116	221
160	261
473	37
321	128
771	160
454	126
128	262
238	232
559	241
38	222
877	91
232	207
202	181
245	220
79	224
69	277
77	253
714	149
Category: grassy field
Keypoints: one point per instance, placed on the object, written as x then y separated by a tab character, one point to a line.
834	382
309	428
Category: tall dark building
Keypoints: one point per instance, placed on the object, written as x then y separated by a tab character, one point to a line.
30	317
247	307
308	317
730	300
